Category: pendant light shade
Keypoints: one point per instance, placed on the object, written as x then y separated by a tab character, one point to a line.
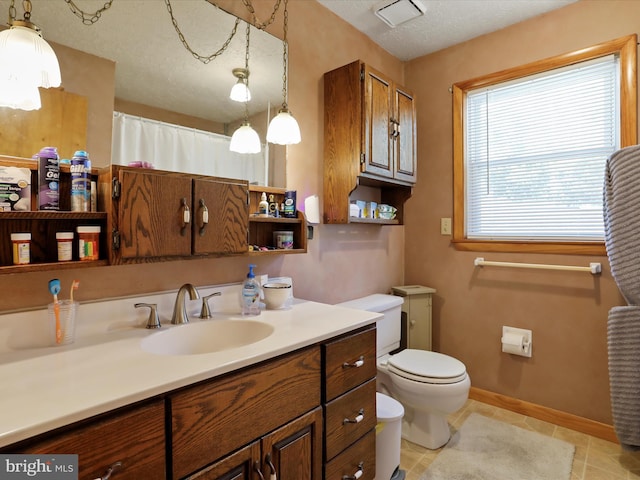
245	140
240	91
27	62
283	129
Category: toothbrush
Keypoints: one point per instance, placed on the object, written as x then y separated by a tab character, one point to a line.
54	289
74	286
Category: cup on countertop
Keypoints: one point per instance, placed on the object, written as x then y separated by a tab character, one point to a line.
67	321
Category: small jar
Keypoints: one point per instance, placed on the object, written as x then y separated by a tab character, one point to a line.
88	242
65	246
21	244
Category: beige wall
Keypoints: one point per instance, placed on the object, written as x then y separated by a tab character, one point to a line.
566	311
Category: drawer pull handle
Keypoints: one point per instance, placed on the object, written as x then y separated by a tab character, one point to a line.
358	363
256	468
358	418
273	475
110	470
356	475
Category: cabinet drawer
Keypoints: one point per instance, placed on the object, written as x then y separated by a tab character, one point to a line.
135	438
212	419
349	362
341	433
359	456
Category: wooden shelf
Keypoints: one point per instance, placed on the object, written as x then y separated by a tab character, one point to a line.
277	252
53	215
374	221
40	267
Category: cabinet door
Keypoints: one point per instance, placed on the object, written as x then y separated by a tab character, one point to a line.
135	438
377	113
405	158
237	466
151	214
294	451
226	204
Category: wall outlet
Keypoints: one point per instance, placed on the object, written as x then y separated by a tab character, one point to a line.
445	226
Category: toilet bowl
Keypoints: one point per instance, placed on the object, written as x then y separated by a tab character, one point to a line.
429	385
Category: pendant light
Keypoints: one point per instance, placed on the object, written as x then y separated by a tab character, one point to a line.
27	62
240	91
284	129
245	139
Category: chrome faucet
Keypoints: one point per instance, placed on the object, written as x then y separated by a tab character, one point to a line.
179	310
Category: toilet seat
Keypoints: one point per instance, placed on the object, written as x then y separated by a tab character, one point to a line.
427	367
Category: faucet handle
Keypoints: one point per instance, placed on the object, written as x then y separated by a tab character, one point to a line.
153	321
206	313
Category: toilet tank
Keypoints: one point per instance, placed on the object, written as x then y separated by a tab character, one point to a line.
389	327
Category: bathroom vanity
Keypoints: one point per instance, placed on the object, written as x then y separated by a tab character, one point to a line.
299	404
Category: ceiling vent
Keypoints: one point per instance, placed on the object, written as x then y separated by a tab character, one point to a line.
395	12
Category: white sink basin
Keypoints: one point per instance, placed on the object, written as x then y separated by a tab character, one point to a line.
206	337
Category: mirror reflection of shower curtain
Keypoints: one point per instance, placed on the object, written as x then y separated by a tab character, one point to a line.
182	149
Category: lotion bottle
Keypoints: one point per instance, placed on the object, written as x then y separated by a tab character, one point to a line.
263	206
251	293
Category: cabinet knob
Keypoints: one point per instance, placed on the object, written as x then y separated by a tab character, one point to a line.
357	364
186	216
356	475
204	217
110	470
273	475
357	419
256	468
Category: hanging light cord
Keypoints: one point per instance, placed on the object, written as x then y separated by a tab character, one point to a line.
285	58
262	25
26	6
88	18
197	56
246	66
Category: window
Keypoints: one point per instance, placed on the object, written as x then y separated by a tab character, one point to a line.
530	146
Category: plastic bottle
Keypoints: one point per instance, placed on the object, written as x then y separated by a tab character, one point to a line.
251	294
80	182
263	206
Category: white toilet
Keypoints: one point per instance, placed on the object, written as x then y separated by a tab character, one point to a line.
429	385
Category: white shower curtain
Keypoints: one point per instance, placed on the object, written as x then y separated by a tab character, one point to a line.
182	149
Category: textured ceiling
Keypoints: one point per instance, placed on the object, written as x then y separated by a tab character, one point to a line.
445	23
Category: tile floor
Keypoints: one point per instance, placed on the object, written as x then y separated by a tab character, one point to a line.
594	459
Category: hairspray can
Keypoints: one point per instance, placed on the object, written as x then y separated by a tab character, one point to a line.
48	179
80	182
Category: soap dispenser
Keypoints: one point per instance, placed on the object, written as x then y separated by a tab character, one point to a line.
251	293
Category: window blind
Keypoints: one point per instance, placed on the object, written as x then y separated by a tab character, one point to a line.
535	153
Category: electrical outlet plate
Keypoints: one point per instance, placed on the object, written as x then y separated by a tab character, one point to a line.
445	226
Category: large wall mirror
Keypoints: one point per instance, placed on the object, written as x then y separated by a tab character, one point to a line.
158	78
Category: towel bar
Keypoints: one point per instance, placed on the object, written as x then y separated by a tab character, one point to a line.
593	268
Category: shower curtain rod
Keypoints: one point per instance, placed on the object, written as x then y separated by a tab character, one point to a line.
593	268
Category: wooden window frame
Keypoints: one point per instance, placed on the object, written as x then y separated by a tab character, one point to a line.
625	47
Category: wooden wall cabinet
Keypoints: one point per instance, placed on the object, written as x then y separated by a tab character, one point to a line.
369	140
159	215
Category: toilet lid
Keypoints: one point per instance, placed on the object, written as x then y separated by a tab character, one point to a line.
428	367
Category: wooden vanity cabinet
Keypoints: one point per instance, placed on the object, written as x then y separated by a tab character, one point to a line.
134	438
349	403
156	214
369	140
276	403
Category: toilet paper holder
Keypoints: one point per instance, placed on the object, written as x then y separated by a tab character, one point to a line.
517	341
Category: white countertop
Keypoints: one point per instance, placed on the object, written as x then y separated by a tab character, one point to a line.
48	387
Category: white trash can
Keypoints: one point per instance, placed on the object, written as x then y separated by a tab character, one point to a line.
388	436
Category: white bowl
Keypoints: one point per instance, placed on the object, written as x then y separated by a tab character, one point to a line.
276	295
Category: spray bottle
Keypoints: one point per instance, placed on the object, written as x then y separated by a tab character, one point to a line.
251	293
